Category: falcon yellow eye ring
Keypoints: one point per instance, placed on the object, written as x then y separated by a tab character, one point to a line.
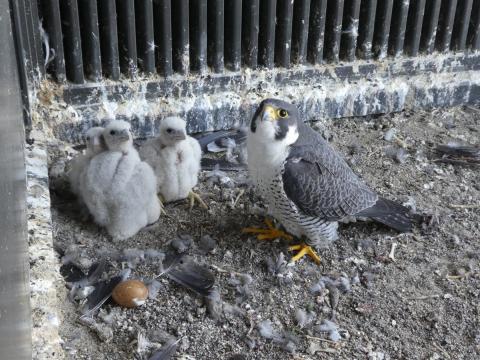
282	113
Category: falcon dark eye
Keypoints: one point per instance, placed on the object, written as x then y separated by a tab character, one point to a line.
112	132
88	138
282	113
169	131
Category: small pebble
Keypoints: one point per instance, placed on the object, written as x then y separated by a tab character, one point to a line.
397	154
460	272
314	347
265	329
455	240
390	134
207	244
182	243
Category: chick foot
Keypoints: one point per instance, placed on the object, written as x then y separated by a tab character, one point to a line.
161	199
192	196
268	234
303	250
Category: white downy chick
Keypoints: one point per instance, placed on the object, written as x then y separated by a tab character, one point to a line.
95	145
175	158
120	188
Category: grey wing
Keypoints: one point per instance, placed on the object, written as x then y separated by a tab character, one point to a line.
321	184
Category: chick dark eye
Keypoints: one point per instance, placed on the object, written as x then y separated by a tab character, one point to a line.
282	113
169	131
112	132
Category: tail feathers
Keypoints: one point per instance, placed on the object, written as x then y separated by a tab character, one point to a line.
398	222
392	214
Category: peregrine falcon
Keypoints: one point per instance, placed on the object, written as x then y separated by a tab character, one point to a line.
95	145
306	184
120	189
175	157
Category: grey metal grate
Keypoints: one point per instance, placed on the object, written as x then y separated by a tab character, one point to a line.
105	39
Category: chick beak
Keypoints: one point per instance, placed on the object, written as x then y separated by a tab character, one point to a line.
178	135
124	135
268	113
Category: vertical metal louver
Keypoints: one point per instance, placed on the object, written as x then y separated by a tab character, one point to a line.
250	32
429	29
91	40
266	40
180	19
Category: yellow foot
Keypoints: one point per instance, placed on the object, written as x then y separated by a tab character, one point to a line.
303	250
192	196
162	207
268	234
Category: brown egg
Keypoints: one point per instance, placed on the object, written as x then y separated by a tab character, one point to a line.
130	293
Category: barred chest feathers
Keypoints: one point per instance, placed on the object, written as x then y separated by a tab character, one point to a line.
266	170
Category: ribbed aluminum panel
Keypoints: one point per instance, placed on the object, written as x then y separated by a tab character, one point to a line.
96	39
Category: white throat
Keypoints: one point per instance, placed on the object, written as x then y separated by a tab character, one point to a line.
268	154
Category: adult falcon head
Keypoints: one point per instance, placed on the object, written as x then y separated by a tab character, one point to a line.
306	184
275	120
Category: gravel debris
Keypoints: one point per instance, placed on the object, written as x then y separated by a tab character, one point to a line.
383	309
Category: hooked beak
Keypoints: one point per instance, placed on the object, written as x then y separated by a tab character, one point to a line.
124	135
178	135
268	113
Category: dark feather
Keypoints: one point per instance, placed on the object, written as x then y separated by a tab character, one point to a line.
72	273
459	154
238	135
172	259
192	276
96	271
459	150
210	164
103	291
166	352
390	213
79	147
321	184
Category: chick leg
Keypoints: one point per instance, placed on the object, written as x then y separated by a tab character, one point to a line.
161	199
268	234
303	249
192	196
